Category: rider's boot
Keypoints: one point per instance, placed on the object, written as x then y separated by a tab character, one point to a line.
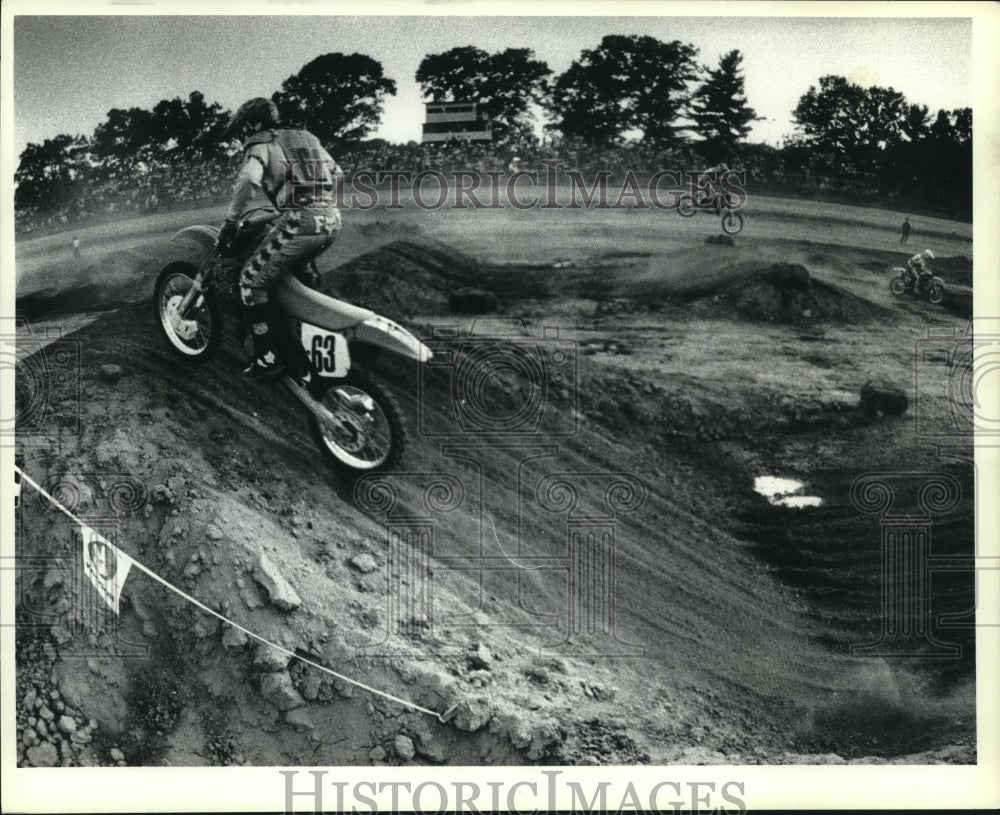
263	366
264	363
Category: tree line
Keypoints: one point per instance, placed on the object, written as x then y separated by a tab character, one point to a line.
627	89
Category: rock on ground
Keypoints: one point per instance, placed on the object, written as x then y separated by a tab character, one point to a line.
404	747
111	373
44	755
274	583
234	638
882	396
472	715
364	563
271	659
481	657
299	717
278	690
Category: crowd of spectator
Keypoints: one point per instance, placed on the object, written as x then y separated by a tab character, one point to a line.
111	193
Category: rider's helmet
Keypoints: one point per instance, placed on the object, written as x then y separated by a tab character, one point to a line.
928	254
255	114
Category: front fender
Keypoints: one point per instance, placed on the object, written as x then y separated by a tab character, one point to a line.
204	236
384	333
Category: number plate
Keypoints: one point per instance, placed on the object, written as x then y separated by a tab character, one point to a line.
327	351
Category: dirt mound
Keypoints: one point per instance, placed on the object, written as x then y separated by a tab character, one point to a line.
404	277
87	297
787	293
116	279
222	474
956	269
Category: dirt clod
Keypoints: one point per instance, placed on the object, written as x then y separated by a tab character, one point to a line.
883	396
111	373
404	747
277	688
364	563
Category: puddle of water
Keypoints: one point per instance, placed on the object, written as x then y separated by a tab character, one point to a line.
784	492
769	485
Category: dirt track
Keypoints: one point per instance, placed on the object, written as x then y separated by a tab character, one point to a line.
733	618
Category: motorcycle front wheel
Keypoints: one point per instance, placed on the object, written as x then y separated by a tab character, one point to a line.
732	223
196	334
935	293
369	434
897	285
685	206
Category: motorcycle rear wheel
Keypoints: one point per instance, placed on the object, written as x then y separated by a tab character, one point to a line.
897	285
372	436
196	335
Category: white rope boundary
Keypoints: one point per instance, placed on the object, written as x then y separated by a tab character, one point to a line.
442	717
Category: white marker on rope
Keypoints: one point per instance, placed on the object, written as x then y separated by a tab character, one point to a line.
442	717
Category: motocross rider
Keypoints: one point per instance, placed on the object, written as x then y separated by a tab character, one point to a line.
299	177
919	266
713	192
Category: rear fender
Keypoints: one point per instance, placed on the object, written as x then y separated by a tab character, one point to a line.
204	236
384	333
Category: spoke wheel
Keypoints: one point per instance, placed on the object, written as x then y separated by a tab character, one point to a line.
196	334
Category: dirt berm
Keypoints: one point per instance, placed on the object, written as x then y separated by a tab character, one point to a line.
715	628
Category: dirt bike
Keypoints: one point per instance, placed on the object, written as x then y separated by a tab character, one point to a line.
355	420
906	279
732	221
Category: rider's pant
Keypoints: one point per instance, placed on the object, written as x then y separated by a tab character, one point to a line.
297	237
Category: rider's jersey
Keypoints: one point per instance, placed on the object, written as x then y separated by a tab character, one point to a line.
919	264
290	167
297	169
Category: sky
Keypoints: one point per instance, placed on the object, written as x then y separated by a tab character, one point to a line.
69	71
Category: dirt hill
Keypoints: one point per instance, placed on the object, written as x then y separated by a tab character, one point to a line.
732	619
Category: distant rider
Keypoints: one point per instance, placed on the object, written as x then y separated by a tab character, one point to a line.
299	177
713	192
919	266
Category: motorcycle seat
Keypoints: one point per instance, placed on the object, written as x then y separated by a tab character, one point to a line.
315	308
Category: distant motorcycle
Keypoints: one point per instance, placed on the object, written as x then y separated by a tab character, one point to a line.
906	280
355	420
732	221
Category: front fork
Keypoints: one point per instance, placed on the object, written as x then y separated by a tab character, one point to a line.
195	295
192	295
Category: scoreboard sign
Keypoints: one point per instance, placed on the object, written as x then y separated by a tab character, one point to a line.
455	120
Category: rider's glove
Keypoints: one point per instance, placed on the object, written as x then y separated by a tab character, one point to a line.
227	235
